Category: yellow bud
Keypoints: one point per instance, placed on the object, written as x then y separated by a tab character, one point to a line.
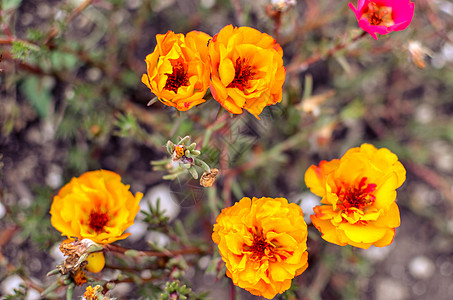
96	262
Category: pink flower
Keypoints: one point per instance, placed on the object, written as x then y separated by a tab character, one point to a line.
383	16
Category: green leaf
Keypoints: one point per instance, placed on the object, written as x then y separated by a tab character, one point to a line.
38	95
354	110
10	4
63	61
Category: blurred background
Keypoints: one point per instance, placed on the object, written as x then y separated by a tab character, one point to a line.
71	100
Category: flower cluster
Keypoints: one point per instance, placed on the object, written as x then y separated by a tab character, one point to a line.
95	206
383	16
358	195
242	66
263	243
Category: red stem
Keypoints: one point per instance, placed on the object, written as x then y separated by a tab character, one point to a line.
297	67
169	253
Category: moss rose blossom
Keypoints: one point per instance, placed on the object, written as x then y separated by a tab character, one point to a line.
358	195
178	70
383	16
247	69
95	206
263	243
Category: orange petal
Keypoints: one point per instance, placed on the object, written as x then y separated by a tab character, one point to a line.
329	232
362	233
387	239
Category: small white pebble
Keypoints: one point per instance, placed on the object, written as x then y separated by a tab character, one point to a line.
137	231
203	262
94	74
421	267
35	265
390	289
447	51
122	289
309	201
424	114
134	4
33	295
158	238
207	3
446	7
166	202
10	283
438	61
54	180
446	268
26	19
56	254
2	211
419	288
43	10
376	254
146	274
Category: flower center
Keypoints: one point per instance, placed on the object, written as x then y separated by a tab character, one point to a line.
176	79
259	247
98	220
243	74
359	196
378	15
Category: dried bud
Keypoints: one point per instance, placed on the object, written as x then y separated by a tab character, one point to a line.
312	105
79	277
282	5
208	178
76	253
418	53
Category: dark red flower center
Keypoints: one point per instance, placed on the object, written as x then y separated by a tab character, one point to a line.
259	247
262	248
177	78
359	196
378	15
243	73
98	220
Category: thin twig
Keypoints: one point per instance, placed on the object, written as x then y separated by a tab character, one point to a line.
297	67
432	178
232	291
239	11
169	253
55	31
290	143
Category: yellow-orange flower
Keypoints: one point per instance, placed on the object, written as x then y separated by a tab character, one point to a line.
92	293
263	243
358	192
178	69
96	206
246	69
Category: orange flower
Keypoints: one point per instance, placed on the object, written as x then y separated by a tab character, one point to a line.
96	206
92	293
263	243
178	72
358	192
246	69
